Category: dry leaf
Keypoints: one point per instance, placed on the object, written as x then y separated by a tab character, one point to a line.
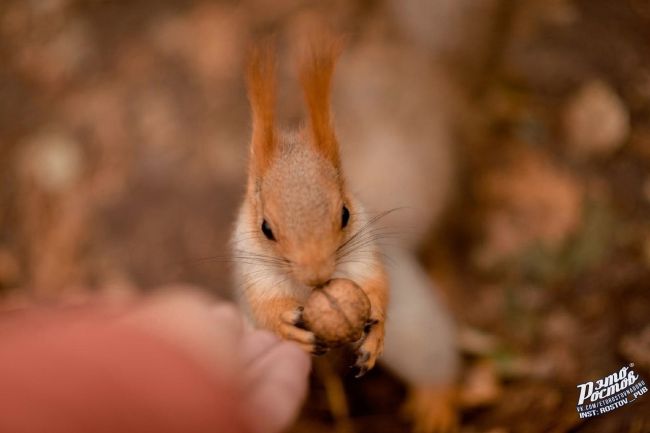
532	201
481	385
596	120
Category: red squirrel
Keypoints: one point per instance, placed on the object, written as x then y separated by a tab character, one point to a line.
301	225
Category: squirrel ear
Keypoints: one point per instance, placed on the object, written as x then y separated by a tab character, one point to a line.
316	70
261	94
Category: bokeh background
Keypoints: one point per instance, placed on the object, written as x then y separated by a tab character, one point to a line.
123	136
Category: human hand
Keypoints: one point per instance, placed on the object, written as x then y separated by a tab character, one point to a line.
270	373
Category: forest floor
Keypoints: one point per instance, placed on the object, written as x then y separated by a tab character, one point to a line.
109	178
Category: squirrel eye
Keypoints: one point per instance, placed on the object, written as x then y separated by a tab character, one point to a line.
266	229
345	217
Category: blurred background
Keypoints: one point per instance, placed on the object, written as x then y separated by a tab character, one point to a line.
124	129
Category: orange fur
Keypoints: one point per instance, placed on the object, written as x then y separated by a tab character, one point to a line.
262	96
376	288
268	311
297	194
432	409
316	73
296	186
277	315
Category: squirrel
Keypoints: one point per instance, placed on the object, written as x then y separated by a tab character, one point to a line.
300	225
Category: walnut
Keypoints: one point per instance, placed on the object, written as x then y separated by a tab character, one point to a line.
337	312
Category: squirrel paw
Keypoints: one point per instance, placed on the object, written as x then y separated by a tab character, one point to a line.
369	348
432	409
292	328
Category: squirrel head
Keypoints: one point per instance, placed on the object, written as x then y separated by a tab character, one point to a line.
300	208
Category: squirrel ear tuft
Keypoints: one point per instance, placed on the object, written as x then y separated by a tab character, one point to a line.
261	94
316	70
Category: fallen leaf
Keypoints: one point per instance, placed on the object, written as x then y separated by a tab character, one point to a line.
596	121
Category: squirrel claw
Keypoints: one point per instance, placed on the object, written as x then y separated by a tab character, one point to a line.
368	326
361	371
362	359
369	346
320	350
298	321
363	364
293	317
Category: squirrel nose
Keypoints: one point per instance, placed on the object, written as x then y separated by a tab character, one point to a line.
317	281
316	275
